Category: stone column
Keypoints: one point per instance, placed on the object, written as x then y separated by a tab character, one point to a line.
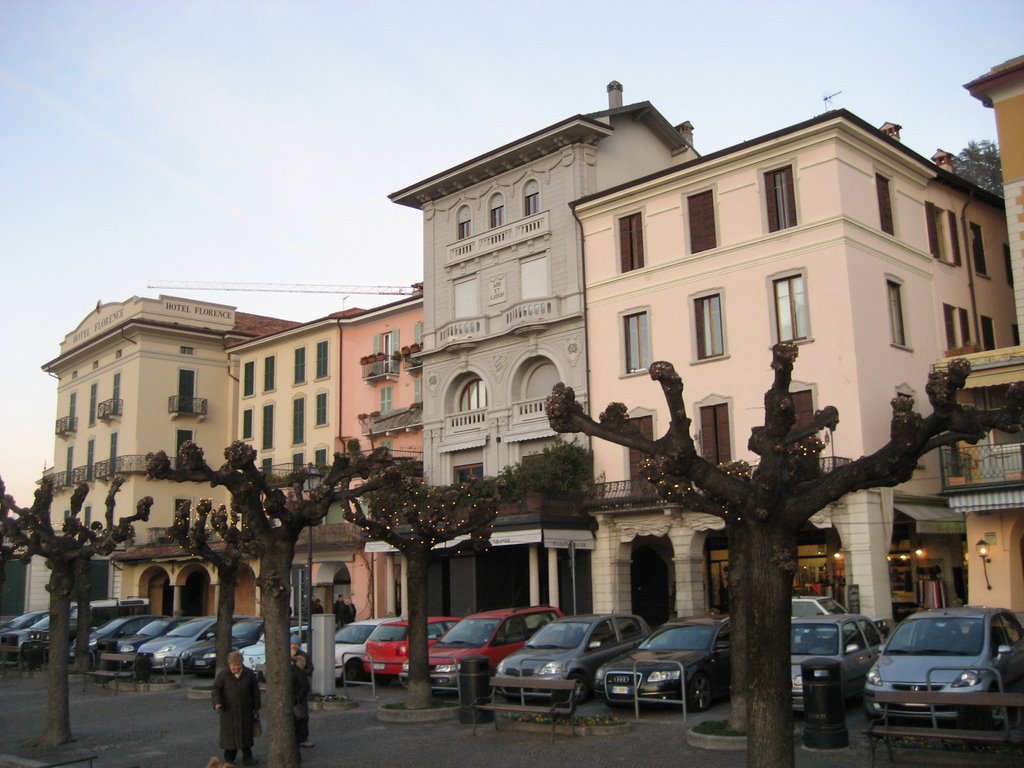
864	524
405	585
390	604
534	575
176	611
553	596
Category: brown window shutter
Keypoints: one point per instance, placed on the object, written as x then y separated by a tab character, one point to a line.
638	241
803	408
702	222
625	245
790	192
884	204
714	431
646	426
772	208
722	433
949	320
954	236
930	212
698	317
631	242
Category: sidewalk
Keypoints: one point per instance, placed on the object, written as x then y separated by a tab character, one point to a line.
168	730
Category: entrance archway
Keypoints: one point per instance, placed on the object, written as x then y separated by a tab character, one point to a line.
194	593
650	577
156	585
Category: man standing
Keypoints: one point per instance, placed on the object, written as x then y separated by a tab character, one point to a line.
350	611
236	697
302	671
339	612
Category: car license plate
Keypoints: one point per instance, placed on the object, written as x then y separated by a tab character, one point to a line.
621	690
378	665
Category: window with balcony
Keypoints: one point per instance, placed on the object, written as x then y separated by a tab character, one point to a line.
707	316
249	379
320	457
113	451
792	318
497	211
884	204
637	342
298	460
531	198
472	396
467	298
321	409
897	332
701	209
716	446
181	436
72	405
322	369
247	424
186	391
645	425
93	402
269	373
387	395
300	365
988	333
69	465
268	427
267	465
780	199
978	249
631	242
117	387
533	276
464	223
298	420
90	459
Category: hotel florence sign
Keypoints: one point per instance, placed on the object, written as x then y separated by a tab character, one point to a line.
165	309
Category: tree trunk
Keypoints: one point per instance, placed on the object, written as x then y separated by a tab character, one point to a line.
83	590
738	606
771	550
420	695
58	711
227	575
275	599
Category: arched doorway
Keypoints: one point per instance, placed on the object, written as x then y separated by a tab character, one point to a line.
194	593
156	585
245	592
650	577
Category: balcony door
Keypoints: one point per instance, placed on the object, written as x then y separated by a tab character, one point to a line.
186	390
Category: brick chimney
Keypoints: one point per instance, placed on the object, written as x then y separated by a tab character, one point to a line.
944	160
892	130
685	129
614	94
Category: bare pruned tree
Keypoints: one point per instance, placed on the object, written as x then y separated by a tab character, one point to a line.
67	552
765	506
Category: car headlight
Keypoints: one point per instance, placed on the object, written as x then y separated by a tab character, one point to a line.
798	681
208	656
599	676
502	666
966	679
661	675
165	649
446	668
125	649
552	668
873	678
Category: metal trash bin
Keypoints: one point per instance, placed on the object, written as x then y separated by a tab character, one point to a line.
474	687
824	708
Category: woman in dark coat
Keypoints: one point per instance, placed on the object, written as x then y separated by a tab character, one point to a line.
236	696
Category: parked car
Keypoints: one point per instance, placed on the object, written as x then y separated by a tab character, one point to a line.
200	658
114	630
23	621
102	611
494	634
255	656
39	631
156	628
166	650
387	647
820	605
350	648
948	649
573	647
851	639
697	649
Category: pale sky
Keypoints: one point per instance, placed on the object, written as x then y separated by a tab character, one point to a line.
257	141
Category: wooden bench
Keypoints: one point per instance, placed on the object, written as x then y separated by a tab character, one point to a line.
112	666
553	697
927	701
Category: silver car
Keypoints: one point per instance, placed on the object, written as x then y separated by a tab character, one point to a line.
166	651
848	638
574	647
948	649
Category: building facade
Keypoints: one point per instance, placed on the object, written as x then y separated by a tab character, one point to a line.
830	234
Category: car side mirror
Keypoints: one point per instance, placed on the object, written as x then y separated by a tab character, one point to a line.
852	648
1002	648
593	644
722	645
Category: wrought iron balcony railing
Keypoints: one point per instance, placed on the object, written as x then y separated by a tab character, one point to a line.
179	405
109	409
66	425
381	369
982	465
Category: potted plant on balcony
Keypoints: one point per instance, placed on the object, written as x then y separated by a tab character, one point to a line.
560	472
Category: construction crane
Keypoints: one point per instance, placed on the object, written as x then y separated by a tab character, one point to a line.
373	290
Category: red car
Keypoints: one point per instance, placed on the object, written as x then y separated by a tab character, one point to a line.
387	647
494	634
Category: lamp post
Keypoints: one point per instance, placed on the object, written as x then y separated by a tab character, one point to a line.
982	547
313	476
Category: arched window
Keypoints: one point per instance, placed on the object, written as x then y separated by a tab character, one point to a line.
465	223
473	396
497	210
531	198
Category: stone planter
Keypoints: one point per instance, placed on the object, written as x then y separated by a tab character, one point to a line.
432	715
326	705
152	685
714	741
201	693
564	729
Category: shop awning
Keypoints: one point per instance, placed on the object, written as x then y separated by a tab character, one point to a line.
930	512
462	445
519	437
987	501
992	377
552	539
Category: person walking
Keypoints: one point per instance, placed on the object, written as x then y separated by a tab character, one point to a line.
297	652
300	700
339	612
350	611
236	697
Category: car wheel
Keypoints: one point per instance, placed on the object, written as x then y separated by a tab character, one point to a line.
354	670
582	691
700	693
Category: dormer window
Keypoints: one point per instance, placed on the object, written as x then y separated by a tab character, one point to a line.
465	223
497	211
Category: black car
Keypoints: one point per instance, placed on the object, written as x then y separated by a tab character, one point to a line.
697	649
201	658
24	621
113	631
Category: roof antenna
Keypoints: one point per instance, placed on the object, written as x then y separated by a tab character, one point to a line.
828	100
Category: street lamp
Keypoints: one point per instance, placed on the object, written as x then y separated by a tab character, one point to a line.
982	547
313	477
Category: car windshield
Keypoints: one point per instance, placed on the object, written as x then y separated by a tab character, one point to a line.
389	633
470	632
188	629
43	623
816	606
247	630
939	636
111	626
23	621
559	634
157	627
354	633
814	639
689	637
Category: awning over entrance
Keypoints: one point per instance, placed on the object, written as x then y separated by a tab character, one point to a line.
987	501
519	437
995	376
930	512
461	445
